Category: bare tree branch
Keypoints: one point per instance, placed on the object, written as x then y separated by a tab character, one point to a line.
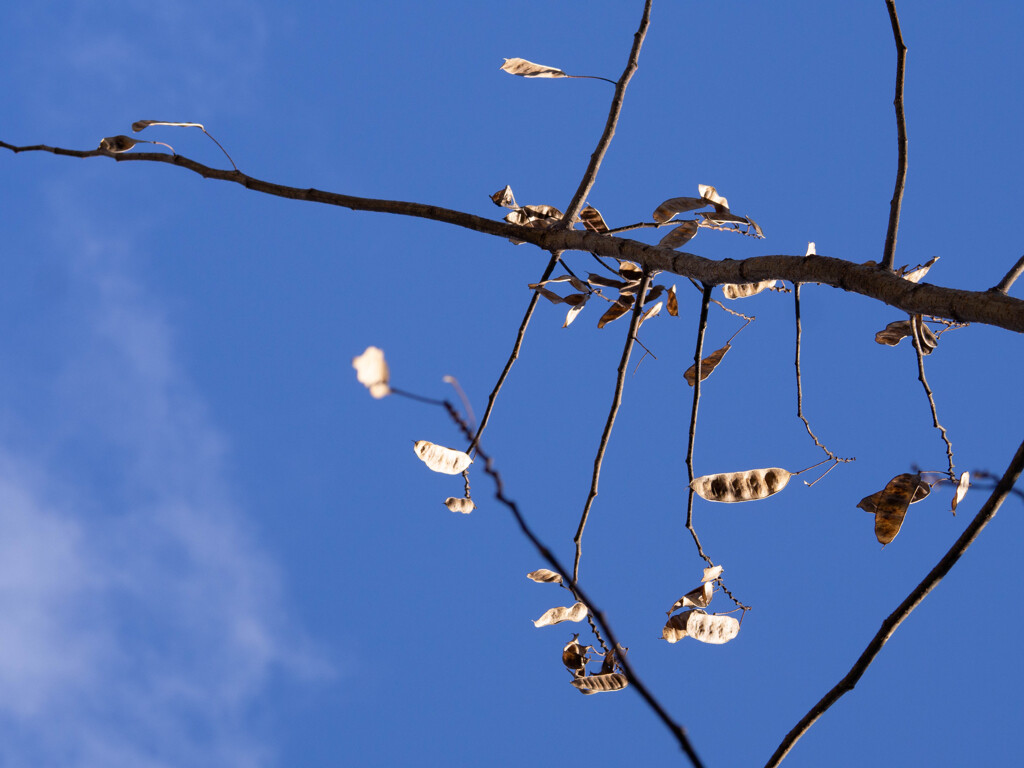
677	731
901	130
590	176
697	355
988	307
620	383
891	624
1015	271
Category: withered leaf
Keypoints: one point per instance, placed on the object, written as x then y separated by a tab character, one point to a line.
653	294
890	504
961	489
578	284
605	282
743	290
551	296
615	311
576	299
117	144
674	205
630	271
750	485
572	313
524	68
543	575
465	506
680	235
574	655
707	365
893	333
504	198
673	302
712	573
652	312
575	612
372	372
440	459
600	683
710	194
593	220
138	125
917	273
695	598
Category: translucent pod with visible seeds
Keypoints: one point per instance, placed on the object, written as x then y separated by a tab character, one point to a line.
743	290
543	575
749	485
601	683
707	627
441	459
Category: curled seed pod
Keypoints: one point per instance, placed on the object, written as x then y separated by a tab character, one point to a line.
465	506
575	656
575	612
117	144
674	205
600	683
525	68
695	598
441	459
894	333
750	485
504	198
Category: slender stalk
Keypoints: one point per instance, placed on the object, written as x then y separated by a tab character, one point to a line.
901	130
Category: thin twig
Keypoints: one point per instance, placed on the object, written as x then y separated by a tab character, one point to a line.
493	397
677	731
915	337
891	624
590	175
799	386
988	307
1010	278
901	129
697	355
620	382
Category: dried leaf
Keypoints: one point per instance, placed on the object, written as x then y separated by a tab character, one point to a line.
600	683
894	333
592	220
138	125
743	290
543	575
695	598
706	627
441	459
117	144
615	311
630	271
925	338
578	284
652	312
961	489
711	195
605	282
524	68
680	235
372	372
751	485
712	573
707	365
653	294
917	273
572	313
576	299
551	296
574	655
810	250
576	612
465	506
673	302
890	504
504	198
674	205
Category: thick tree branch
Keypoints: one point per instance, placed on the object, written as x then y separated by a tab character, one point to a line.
987	307
891	624
901	131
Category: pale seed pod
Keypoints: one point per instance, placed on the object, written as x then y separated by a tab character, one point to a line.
600	683
441	459
751	485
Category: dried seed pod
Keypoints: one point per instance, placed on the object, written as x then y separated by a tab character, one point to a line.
894	333
916	274
372	372
961	490
616	310
712	573
710	194
504	198
707	627
695	598
680	235
674	205
575	612
592	220
889	505
600	683
743	290
465	506
117	144
575	656
441	459
750	485
543	575
925	338
525	68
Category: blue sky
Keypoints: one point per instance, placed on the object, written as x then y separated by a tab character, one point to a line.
216	549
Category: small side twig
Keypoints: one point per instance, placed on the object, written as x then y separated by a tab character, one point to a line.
620	381
697	355
897	617
915	337
901	129
1010	278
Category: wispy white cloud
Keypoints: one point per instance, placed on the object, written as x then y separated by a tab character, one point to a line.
140	618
